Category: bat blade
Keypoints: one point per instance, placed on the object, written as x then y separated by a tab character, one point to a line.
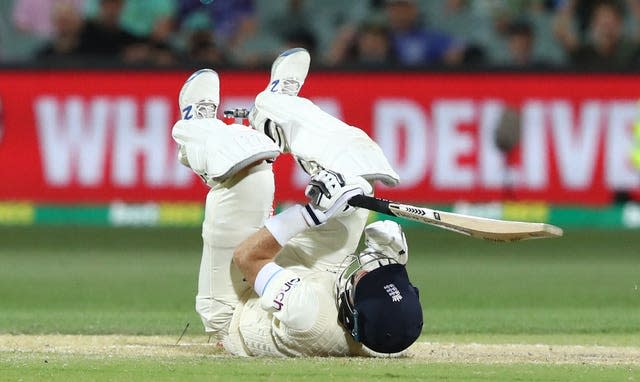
474	226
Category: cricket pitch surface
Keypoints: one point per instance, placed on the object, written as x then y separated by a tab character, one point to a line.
17	346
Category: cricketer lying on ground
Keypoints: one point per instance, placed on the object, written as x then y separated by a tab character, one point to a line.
238	205
370	307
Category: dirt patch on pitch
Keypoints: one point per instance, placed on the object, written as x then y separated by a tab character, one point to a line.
164	346
109	345
518	353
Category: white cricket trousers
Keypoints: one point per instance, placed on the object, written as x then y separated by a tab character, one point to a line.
234	210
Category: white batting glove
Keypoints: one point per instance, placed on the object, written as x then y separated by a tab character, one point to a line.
328	194
386	237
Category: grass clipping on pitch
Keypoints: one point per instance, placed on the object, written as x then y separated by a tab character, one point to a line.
165	347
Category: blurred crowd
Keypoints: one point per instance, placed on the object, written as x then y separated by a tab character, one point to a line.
371	33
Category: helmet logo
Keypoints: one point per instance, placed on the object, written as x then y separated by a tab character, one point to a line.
393	292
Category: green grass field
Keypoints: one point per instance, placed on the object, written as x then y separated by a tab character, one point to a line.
60	368
583	289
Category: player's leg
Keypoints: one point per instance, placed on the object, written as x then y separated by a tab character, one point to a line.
234	210
324	247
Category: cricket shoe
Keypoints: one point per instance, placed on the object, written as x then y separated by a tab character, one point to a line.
289	71
200	95
386	237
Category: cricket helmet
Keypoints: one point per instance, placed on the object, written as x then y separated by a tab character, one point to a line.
377	304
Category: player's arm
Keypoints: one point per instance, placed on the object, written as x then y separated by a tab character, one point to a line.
255	252
328	193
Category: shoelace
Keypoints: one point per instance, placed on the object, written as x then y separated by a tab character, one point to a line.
205	109
290	87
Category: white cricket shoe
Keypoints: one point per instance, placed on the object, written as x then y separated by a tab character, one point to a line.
200	95
386	237
289	71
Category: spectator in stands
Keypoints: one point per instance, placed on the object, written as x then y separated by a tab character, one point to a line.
607	47
581	12
140	17
457	18
160	53
67	25
200	44
232	21
37	17
302	38
160	40
103	36
152	22
202	49
322	19
520	41
369	45
373	45
283	24
487	24
413	44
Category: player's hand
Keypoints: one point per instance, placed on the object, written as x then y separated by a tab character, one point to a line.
328	194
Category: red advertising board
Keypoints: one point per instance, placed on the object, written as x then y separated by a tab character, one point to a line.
92	136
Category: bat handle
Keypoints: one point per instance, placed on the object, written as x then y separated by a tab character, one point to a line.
372	204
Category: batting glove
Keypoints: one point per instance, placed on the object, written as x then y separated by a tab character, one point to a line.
329	193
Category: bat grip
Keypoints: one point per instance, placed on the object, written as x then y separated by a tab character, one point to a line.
372	204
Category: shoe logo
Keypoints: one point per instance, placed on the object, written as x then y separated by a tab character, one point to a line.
274	86
393	292
187	112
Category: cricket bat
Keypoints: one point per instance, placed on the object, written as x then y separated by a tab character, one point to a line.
474	226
